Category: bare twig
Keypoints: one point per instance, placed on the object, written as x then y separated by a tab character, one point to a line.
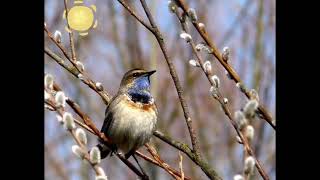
160	165
134	14
181	166
206	168
61	62
64	51
131	166
174	75
73	52
165	166
85	77
103	94
76	108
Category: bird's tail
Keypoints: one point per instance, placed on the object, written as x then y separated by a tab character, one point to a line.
104	150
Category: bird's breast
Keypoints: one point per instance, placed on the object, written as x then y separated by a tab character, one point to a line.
134	123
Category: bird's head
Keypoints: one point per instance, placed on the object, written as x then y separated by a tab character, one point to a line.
136	81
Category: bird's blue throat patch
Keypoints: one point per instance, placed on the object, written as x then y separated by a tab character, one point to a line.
140	91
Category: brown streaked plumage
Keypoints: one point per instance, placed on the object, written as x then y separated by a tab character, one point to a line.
131	116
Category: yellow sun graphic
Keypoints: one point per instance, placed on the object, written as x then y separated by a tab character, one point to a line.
81	18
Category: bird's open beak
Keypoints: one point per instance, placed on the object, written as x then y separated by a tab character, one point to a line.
150	72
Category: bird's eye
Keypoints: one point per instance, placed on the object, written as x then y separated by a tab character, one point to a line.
135	74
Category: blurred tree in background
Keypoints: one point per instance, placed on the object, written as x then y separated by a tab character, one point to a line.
120	42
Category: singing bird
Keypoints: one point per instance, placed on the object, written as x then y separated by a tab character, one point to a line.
131	116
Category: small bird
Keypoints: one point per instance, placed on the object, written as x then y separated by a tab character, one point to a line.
131	116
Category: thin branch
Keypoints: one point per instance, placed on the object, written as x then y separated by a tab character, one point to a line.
131	166
262	110
64	51
206	168
174	75
76	108
180	165
61	62
73	52
103	94
160	165
134	14
164	165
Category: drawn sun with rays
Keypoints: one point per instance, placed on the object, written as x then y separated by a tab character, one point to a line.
81	18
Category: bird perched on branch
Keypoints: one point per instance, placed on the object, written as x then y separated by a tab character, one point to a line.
131	116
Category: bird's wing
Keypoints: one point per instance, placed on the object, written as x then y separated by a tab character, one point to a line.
105	151
156	108
108	120
156	111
